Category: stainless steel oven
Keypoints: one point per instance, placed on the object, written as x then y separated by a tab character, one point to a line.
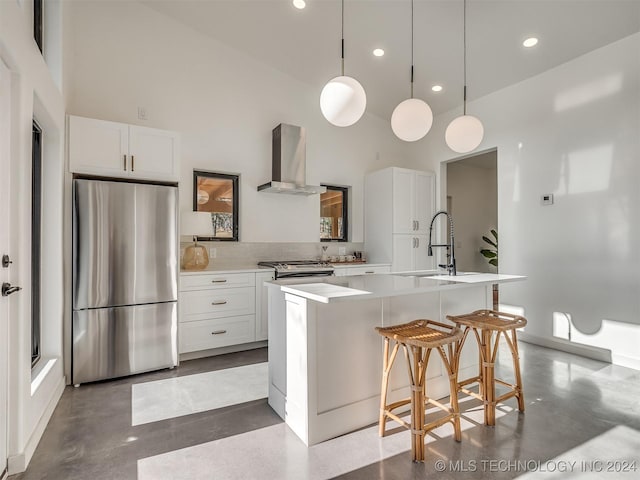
299	268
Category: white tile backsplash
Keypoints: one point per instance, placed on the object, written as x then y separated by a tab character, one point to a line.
253	252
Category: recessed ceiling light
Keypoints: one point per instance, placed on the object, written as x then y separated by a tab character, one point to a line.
300	4
378	52
530	42
437	88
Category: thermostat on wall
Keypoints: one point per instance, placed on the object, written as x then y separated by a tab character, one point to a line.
547	199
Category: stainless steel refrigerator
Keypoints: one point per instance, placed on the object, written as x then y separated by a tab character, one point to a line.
125	278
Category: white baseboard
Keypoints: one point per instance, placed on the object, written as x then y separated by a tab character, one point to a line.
222	350
18	463
566	346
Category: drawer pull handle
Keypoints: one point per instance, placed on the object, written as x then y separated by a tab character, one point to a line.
221	302
370	272
218	281
218	332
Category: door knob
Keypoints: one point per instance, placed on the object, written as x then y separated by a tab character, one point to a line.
7	289
6	261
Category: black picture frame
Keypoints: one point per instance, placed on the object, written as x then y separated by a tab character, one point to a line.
235	202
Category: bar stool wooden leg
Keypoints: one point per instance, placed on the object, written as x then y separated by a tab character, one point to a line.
387	363
450	362
513	345
488	379
417	366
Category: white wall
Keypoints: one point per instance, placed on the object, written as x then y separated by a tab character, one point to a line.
34	92
474	196
225	104
573	131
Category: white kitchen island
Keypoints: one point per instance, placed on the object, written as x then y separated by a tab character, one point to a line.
325	357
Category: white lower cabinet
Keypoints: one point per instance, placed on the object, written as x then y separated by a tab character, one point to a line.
410	253
341	271
217	332
221	310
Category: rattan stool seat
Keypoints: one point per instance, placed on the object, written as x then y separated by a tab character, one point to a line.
420	334
418	338
490	320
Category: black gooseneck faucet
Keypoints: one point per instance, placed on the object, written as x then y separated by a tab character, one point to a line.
451	259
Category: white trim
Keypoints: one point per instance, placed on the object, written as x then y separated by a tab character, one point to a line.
566	346
18	463
40	372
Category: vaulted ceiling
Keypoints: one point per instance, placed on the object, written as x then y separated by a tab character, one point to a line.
306	43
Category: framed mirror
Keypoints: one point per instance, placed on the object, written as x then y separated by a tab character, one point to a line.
217	193
334	214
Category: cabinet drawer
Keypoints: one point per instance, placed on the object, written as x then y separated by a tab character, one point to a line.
368	270
217	281
201	304
215	333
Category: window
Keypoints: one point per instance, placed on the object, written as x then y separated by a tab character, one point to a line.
217	193
38	7
36	238
334	223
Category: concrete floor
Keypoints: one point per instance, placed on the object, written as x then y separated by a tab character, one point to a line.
570	400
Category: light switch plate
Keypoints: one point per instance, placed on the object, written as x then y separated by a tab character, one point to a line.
547	199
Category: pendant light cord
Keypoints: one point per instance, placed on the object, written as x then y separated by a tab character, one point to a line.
342	57
464	56
411	49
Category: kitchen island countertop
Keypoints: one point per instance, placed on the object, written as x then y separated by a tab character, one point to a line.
356	287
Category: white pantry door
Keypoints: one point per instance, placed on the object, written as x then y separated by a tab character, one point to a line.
5	92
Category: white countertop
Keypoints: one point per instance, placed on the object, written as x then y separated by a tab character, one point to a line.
356	287
213	267
358	264
225	269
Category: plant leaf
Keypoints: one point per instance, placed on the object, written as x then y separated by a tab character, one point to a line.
488	253
494	262
489	241
495	234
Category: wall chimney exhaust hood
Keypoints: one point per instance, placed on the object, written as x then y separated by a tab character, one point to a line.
289	152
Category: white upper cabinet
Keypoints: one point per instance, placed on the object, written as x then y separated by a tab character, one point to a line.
154	153
100	147
399	204
412	201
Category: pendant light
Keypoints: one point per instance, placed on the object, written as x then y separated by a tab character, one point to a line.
412	118
343	99
464	133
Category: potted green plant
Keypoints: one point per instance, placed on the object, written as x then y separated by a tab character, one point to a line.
492	255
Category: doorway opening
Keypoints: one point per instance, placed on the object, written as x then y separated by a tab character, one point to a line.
472	200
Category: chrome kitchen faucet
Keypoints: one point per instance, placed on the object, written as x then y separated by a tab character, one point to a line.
451	259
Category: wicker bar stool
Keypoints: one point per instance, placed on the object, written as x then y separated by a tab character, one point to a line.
418	338
483	324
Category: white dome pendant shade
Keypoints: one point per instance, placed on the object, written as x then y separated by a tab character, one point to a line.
464	134
411	120
343	101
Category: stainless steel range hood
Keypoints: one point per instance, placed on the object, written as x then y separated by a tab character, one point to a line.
289	152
